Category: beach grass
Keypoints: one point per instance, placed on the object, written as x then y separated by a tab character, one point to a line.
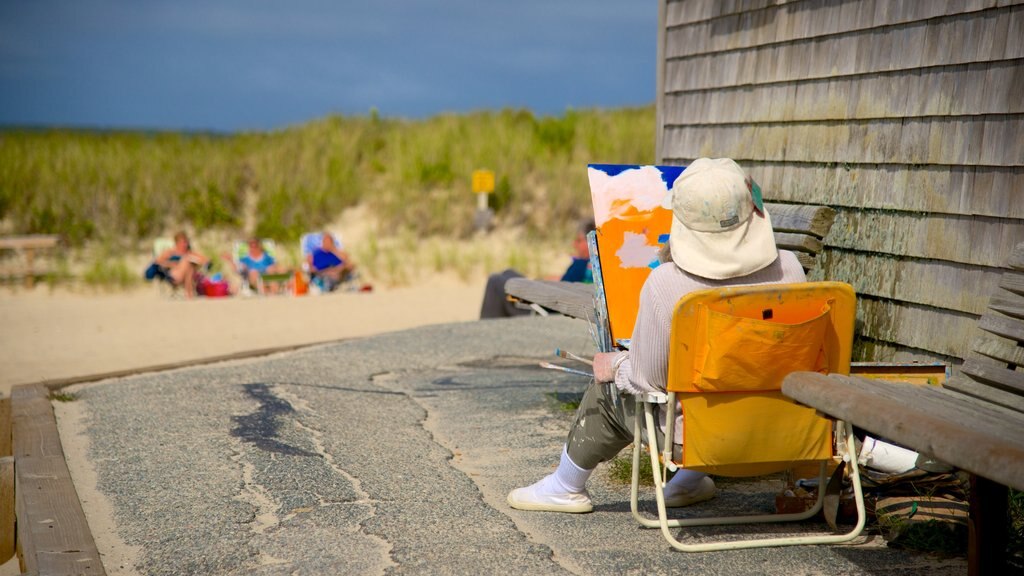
120	189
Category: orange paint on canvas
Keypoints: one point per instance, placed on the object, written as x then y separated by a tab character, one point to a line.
622	284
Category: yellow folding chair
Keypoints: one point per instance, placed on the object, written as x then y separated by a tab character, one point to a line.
730	349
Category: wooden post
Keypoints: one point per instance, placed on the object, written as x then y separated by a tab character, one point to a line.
987	527
7	517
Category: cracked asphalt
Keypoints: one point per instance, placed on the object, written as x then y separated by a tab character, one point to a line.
388	455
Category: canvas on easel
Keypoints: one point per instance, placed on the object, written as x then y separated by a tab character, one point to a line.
631	227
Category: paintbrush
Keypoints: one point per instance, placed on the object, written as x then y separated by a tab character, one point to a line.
564	369
566	354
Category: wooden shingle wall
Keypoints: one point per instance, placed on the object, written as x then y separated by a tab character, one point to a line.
906	116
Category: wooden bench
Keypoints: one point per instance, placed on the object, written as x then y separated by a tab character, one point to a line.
975	421
27	247
798	228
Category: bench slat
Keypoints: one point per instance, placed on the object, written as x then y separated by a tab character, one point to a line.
801	218
999	348
988	371
984	392
1012	281
950	428
798	242
1002	326
1017	257
573	299
1007	303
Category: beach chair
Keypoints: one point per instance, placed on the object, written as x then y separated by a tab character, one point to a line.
164	283
313	240
730	349
240	249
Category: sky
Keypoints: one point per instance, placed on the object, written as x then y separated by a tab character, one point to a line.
234	65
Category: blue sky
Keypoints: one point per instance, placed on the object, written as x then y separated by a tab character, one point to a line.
258	64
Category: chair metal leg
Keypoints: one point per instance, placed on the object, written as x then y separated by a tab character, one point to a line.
666	524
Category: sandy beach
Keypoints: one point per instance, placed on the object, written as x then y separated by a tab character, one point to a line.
49	335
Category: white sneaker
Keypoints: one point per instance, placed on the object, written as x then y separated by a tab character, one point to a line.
538	496
677	499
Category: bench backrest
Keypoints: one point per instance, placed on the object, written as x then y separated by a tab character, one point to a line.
994	367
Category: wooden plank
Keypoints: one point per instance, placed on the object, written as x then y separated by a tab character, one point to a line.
867	350
797	242
985	89
5	427
32	241
1004	326
570	298
951	140
7	516
969	240
1012	306
926	418
932	329
53	534
986	393
987	533
998	348
1016	259
808	262
992	373
813	57
698	32
801	218
935	283
1013	282
966	190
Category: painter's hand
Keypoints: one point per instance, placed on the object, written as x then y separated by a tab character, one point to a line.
604	370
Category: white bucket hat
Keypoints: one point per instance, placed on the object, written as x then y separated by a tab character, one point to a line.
720	228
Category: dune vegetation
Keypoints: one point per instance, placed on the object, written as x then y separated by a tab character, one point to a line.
109	193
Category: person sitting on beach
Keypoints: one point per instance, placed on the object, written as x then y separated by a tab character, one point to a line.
721	235
329	265
179	265
497	305
255	263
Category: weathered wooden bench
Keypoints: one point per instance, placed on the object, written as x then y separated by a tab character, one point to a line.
975	421
27	246
798	228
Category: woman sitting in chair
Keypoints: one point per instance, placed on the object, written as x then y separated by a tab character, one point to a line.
179	265
257	262
721	236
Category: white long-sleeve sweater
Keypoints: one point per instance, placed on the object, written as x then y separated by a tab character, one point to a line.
646	367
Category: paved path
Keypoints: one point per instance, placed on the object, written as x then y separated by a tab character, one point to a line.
386	455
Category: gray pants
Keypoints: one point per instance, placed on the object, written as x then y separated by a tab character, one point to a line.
603	426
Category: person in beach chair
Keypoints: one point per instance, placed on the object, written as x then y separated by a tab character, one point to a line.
720	236
178	265
255	263
497	305
328	264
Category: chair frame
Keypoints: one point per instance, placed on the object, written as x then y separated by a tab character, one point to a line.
662	463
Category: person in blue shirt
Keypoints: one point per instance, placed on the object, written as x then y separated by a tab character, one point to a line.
256	262
497	305
329	265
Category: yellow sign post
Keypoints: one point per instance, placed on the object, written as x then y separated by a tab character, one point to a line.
483	184
483	181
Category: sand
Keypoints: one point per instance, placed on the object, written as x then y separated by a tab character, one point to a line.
51	335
